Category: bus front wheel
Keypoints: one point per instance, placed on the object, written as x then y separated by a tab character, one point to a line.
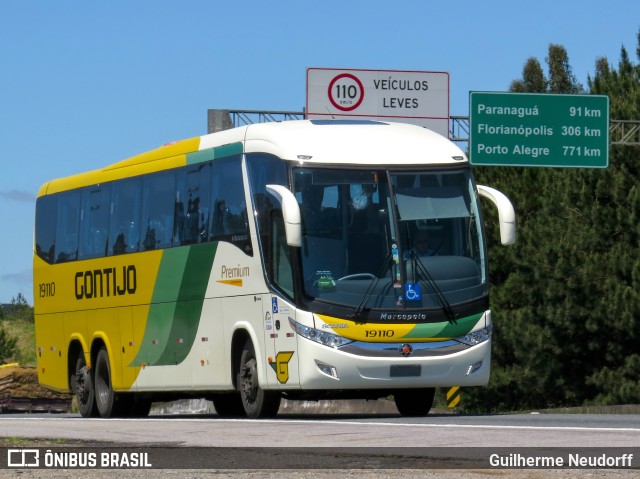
414	402
256	401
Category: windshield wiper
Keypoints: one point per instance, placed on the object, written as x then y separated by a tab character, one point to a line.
427	278
371	288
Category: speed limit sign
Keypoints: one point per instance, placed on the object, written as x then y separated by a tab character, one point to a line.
346	92
416	97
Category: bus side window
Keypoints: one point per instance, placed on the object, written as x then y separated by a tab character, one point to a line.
264	170
124	224
46	207
191	209
94	222
229	221
68	219
158	193
280	269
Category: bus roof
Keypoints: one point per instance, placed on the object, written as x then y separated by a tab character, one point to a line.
349	142
312	141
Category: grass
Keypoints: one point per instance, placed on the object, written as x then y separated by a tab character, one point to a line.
23	330
17	320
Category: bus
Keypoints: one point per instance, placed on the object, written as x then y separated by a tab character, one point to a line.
269	261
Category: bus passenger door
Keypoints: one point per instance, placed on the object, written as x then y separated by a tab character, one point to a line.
280	339
280	343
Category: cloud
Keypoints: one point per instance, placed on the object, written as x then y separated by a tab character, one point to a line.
18	195
23	277
13	283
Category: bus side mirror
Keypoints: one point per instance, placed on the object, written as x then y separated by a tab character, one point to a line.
506	213
290	213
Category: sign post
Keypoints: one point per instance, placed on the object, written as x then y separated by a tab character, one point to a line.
529	129
416	97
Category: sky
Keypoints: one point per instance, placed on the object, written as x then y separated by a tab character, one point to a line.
84	84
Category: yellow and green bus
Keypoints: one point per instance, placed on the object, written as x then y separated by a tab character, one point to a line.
276	260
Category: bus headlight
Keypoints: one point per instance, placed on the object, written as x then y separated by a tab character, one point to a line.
476	337
322	337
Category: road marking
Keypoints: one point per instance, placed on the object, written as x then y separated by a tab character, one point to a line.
308	422
452	426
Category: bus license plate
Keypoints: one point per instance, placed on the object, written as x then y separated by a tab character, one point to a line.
405	370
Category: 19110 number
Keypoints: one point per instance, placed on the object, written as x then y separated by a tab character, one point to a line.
379	333
47	290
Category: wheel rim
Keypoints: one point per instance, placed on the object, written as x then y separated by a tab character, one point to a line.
249	382
102	383
82	393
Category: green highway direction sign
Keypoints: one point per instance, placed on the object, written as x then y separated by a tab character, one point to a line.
539	129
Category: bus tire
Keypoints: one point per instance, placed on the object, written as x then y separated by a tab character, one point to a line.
257	402
106	399
82	388
414	402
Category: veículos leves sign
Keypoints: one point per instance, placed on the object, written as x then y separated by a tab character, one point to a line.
417	97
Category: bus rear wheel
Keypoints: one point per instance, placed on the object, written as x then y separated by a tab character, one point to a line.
414	402
108	402
256	401
82	388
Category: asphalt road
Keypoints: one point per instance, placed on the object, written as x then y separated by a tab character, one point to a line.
328	442
509	430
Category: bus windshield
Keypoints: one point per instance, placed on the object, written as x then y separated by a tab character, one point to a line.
378	239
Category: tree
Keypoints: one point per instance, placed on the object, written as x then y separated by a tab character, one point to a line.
18	310
616	380
19	300
566	296
533	79
561	77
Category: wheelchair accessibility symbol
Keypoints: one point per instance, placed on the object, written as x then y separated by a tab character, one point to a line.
412	292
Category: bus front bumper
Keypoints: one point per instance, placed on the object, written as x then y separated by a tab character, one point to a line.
390	366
